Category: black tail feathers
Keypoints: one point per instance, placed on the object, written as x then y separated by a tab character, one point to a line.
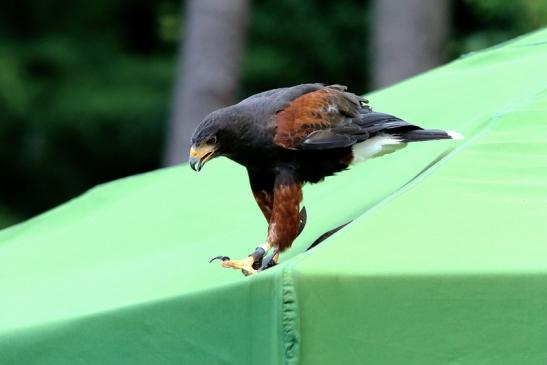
427	135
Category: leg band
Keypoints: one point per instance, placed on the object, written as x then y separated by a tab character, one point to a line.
258	254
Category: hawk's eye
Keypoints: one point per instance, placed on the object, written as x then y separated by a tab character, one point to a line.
211	140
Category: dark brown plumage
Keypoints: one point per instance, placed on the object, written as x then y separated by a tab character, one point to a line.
291	136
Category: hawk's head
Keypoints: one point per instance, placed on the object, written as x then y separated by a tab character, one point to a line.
213	137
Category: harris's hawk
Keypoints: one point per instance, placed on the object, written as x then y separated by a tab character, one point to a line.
290	136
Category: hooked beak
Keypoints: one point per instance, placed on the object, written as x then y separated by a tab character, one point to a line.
200	155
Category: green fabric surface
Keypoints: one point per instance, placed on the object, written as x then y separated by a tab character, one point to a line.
444	263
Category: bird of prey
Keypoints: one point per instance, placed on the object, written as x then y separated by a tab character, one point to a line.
291	136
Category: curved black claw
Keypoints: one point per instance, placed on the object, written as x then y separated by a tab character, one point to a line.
303	219
221	258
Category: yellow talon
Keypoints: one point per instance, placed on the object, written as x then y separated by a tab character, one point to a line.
245	265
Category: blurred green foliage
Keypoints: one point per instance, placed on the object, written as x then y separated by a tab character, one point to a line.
84	94
85	86
484	23
293	41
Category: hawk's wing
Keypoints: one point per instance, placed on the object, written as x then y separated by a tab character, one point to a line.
330	117
320	119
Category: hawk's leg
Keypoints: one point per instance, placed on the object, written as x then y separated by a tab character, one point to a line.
286	222
279	199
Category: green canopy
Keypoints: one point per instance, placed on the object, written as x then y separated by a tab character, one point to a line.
444	263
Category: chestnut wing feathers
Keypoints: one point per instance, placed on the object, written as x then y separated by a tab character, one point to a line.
329	118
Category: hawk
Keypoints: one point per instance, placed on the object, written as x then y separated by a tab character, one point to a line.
291	136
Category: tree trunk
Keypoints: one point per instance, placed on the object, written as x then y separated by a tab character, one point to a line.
407	38
207	70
